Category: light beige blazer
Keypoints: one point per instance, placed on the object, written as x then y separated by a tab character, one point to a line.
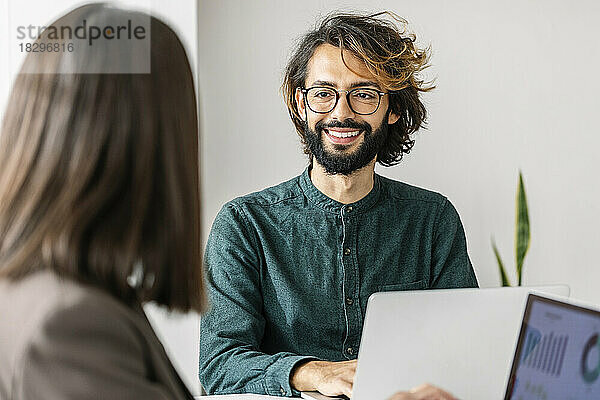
63	340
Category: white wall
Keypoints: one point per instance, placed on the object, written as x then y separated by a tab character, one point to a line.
517	87
179	333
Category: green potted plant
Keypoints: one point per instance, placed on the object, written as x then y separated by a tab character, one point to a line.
522	236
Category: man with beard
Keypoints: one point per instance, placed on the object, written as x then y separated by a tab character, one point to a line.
290	268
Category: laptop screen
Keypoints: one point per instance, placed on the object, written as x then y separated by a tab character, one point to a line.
558	353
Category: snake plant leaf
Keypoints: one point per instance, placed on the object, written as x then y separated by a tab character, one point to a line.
522	228
503	276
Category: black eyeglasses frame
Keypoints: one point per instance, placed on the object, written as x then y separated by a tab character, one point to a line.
337	98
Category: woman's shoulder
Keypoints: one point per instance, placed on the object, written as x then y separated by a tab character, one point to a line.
58	327
43	306
43	296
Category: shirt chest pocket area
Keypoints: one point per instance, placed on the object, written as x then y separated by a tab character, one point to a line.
398	287
393	287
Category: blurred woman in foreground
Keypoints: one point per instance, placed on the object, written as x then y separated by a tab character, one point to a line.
99	212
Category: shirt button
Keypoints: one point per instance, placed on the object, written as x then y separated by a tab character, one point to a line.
349	301
282	391
350	350
347	251
349	209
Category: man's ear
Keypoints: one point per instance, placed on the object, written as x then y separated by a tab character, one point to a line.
392	118
300	104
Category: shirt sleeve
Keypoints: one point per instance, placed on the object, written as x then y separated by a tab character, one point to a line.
451	266
86	351
231	360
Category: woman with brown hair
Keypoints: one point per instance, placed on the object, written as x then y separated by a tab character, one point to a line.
99	213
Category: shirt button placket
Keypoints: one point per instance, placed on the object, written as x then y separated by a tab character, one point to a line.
349	350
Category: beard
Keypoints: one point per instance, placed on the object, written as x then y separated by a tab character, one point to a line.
338	163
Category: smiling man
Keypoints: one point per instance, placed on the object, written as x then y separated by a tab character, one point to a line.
290	268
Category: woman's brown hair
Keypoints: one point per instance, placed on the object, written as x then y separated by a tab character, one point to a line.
99	173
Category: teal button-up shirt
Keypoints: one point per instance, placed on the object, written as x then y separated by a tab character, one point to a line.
290	271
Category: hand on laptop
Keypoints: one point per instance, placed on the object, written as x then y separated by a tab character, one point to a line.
327	377
423	392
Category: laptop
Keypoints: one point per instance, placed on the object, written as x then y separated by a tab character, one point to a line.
461	340
558	352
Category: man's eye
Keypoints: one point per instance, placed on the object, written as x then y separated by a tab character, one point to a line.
323	95
364	95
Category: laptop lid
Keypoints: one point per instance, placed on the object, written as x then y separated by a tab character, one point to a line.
558	352
459	339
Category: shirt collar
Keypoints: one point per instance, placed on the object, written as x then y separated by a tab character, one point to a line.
321	200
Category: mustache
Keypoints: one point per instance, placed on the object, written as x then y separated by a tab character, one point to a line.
349	123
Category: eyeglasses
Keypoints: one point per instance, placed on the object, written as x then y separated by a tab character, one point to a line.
322	99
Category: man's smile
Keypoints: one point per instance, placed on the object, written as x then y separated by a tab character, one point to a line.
342	135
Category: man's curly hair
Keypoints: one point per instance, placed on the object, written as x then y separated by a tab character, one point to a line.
388	52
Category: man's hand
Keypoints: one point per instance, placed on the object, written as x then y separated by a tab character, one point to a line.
328	378
423	392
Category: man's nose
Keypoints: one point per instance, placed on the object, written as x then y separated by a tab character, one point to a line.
342	110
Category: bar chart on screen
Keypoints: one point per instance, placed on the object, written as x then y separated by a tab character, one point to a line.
545	353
